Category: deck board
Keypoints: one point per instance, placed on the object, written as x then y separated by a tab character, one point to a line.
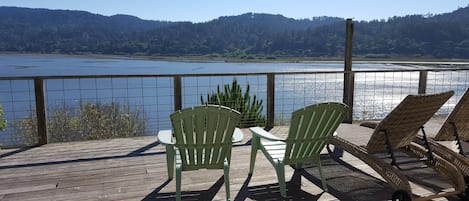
135	169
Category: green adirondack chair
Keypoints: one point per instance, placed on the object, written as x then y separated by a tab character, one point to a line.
310	130
203	140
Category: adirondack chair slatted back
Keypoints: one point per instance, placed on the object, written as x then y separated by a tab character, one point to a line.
403	122
204	136
310	129
460	118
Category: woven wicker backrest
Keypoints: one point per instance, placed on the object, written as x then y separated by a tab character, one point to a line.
204	135
460	117
404	121
310	129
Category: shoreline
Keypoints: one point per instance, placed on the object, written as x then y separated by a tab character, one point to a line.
206	59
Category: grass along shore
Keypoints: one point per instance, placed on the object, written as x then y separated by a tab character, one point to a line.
265	59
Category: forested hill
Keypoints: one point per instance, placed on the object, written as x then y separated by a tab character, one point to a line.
248	35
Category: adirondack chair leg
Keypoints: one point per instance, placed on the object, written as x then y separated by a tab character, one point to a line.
226	172
297	166
170	154
178	182
280	169
323	180
254	147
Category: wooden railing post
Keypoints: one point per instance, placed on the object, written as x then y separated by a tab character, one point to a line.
177	93
270	100
349	90
40	111
423	82
348	74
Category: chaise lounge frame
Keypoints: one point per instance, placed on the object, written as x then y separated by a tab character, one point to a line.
396	132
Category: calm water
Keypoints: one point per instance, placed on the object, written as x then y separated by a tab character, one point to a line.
375	93
61	65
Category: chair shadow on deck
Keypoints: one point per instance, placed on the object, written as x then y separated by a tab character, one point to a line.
272	191
345	182
208	194
261	192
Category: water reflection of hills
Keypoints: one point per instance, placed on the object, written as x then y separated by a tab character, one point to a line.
23	67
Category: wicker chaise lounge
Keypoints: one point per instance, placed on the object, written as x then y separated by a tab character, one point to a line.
456	125
455	129
396	132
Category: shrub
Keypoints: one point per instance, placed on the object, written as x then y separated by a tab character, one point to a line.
96	121
233	97
3	121
90	122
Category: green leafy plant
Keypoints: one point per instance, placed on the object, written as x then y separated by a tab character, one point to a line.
233	97
3	121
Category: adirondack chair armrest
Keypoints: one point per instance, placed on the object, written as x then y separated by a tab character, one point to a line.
335	134
165	137
370	124
259	132
238	135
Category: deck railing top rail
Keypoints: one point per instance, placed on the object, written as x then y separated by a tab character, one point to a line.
429	69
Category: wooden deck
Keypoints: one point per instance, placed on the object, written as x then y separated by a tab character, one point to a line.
135	169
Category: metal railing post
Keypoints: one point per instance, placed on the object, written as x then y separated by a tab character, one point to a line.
177	93
423	82
270	100
40	111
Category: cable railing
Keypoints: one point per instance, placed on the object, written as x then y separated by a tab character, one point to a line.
52	109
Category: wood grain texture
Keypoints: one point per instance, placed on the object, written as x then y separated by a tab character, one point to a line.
135	169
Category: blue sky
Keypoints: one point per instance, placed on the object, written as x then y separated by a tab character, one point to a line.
205	10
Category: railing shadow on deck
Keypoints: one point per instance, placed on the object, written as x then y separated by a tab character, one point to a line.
136	153
17	151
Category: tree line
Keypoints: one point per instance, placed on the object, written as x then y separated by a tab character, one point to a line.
248	35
